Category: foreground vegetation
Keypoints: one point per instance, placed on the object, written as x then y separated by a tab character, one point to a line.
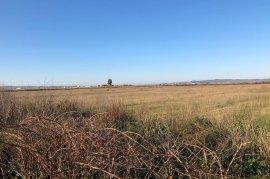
223	137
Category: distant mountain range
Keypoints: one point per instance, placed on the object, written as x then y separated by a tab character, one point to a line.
221	81
232	81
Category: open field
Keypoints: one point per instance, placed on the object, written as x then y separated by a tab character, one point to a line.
218	131
213	101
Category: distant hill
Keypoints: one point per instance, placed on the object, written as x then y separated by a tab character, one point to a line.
224	81
220	81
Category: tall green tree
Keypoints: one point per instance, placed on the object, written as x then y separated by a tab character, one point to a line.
110	82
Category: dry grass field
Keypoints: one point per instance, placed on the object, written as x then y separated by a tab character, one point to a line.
204	131
219	102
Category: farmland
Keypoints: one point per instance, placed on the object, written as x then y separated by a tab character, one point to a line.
211	101
152	131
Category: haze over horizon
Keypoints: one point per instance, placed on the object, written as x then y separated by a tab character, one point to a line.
133	42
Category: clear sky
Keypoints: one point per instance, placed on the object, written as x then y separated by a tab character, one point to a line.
85	42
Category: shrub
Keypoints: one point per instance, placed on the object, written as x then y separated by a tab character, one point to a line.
53	138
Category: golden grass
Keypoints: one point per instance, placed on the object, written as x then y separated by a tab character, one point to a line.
206	131
212	101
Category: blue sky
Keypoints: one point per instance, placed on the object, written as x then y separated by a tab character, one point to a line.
68	42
